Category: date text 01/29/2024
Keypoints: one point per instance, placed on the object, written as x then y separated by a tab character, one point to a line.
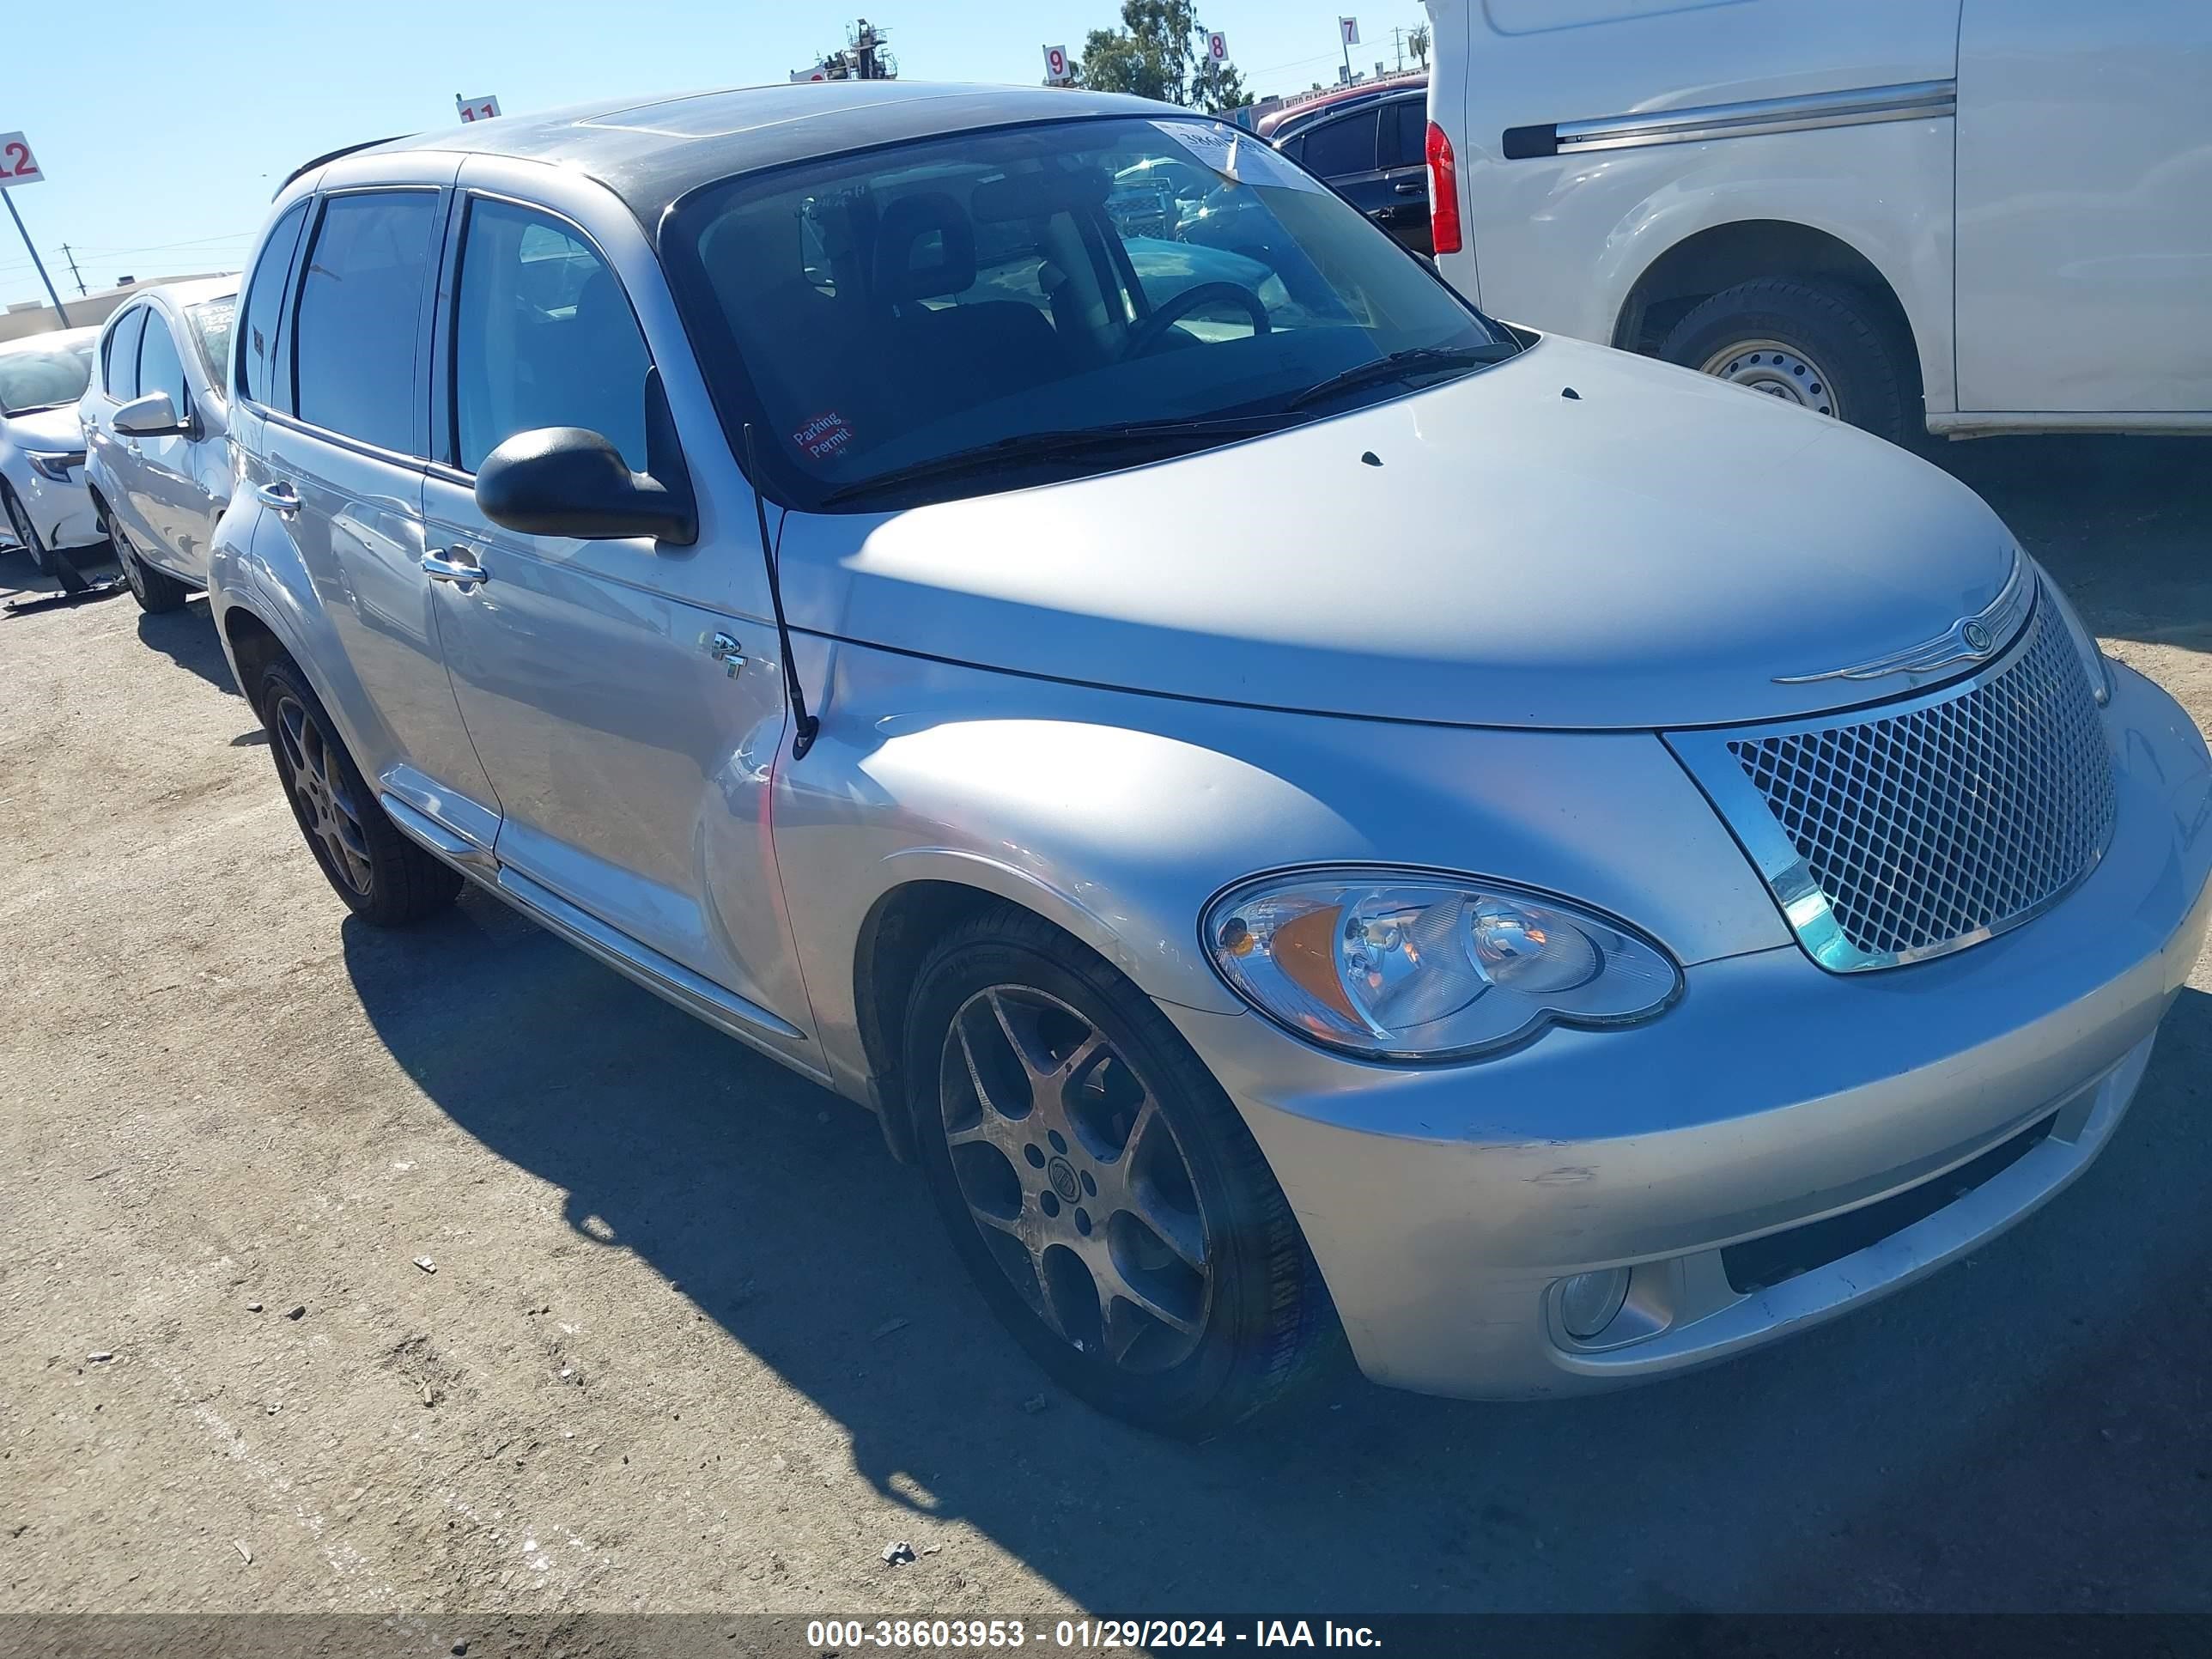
1085	1634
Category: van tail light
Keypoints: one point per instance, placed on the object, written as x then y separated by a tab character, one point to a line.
1443	193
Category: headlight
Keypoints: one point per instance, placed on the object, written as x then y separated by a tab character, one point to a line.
1398	964
54	464
2092	658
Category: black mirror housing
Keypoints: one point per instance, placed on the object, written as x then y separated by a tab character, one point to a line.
568	481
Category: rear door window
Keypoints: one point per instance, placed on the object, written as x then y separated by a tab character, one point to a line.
1344	145
259	378
544	337
360	316
1405	135
119	365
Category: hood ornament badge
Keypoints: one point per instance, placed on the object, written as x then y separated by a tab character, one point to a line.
1972	639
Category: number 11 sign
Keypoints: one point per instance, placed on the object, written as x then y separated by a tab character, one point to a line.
477	109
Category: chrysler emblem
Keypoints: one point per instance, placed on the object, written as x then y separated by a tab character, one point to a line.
1969	639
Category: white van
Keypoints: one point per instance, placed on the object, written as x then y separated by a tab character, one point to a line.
1996	211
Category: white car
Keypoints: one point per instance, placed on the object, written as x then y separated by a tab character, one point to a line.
1985	215
42	489
156	426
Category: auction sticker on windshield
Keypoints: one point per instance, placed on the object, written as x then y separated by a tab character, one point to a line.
1238	157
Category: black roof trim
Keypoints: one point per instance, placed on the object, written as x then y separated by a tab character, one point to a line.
306	167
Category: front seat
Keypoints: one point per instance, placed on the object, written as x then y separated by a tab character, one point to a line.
958	354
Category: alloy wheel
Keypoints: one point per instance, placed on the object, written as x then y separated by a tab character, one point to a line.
1074	1178
327	810
1778	370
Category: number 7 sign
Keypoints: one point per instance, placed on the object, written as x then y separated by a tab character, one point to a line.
17	167
1349	27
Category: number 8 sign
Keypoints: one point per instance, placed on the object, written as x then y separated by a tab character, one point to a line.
16	165
1056	66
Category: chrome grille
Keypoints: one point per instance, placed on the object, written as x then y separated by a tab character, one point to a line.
1917	830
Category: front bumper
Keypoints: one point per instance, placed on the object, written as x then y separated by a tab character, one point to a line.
1444	1207
61	513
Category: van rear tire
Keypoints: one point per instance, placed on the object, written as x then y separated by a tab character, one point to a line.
1826	348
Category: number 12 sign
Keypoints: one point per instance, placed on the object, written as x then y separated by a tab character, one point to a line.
17	167
478	109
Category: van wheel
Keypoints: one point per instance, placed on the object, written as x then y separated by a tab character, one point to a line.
1100	1187
21	527
383	877
155	591
1824	347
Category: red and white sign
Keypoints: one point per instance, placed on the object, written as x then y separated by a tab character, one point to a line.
478	109
809	77
1349	29
1056	72
1217	46
17	165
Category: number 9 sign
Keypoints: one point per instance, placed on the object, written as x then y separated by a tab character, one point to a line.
17	167
1056	72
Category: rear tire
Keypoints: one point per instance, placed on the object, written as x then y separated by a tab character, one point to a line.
19	526
156	591
1826	348
1117	1215
383	877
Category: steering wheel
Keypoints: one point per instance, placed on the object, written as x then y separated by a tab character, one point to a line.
1149	333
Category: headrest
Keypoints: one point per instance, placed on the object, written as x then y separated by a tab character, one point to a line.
906	225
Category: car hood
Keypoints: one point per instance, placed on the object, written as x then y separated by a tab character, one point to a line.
48	428
1576	538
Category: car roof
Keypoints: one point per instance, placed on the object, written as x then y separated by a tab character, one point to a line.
652	152
180	294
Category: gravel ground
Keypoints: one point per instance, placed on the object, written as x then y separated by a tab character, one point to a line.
659	1363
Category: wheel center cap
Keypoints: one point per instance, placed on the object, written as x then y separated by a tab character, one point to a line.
1062	1176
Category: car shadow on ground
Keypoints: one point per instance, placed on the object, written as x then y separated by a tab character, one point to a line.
2023	1431
2120	522
187	637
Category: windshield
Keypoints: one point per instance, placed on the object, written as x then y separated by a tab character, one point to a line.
873	313
33	378
210	321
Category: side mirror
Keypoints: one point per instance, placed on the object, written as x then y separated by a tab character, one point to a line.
567	481
154	416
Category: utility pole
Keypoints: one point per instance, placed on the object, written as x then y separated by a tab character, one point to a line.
1398	36
75	276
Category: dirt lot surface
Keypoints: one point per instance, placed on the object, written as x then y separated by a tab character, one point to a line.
693	1342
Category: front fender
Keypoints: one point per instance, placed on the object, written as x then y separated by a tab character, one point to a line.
1118	816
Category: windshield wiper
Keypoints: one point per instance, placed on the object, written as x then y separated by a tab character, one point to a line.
1045	445
1398	365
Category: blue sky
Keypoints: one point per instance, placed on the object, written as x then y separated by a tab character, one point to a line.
163	125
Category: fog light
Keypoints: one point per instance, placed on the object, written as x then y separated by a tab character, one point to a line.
1587	1301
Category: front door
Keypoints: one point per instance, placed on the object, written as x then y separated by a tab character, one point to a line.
2084	208
166	493
1400	189
610	693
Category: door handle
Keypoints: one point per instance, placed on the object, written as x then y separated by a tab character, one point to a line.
724	650
457	565
280	495
1410	187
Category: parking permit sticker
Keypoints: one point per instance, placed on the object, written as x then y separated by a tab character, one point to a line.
824	436
1236	156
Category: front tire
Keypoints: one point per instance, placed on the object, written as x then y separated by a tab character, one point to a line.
156	591
383	877
1826	347
19	526
1100	1187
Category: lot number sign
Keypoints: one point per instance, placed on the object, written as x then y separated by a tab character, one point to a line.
17	165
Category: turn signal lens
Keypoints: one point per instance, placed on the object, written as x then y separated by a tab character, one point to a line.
1407	965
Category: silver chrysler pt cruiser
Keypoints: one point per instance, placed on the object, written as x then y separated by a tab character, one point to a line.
1311	816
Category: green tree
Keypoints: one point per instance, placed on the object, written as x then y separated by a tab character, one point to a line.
1159	51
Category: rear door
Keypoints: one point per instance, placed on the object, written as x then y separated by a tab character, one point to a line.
1401	184
2085	206
344	468
630	720
112	458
